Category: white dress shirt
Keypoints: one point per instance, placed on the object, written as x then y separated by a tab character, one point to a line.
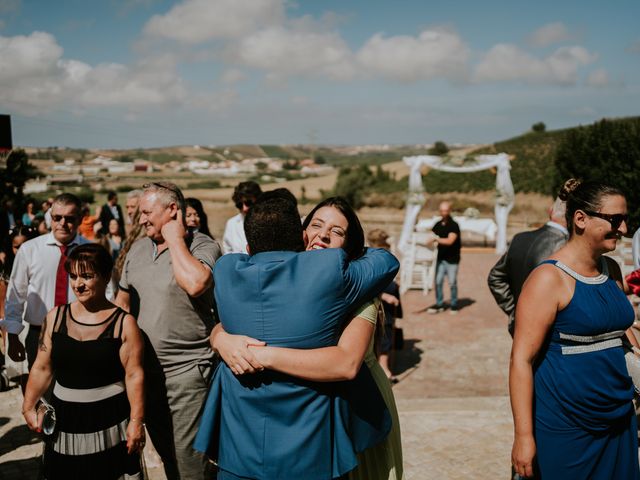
32	286
234	240
635	249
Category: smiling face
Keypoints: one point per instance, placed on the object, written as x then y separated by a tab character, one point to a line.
601	232
327	229
192	218
154	215
64	222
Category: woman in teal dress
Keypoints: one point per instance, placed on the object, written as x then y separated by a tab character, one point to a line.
331	224
571	393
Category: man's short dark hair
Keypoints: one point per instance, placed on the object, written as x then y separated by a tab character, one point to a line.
68	199
273	223
111	195
246	190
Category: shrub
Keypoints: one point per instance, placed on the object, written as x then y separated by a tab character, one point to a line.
607	151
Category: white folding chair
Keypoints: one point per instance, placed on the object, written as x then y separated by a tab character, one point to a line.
418	268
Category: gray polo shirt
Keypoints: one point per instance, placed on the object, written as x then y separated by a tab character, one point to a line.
177	325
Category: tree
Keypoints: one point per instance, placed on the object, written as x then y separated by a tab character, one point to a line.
539	127
353	184
439	148
15	174
607	151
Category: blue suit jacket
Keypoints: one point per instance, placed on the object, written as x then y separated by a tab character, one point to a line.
271	425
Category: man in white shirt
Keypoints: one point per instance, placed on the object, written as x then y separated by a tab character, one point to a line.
38	281
244	196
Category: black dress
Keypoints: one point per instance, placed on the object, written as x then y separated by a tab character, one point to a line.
91	405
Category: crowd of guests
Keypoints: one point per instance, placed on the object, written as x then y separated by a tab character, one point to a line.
114	315
269	356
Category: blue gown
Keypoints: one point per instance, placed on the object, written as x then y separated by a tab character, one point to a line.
585	426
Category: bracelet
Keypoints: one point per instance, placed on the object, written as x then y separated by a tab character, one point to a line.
139	420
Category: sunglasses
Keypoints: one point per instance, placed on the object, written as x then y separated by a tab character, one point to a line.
248	203
177	192
66	218
615	219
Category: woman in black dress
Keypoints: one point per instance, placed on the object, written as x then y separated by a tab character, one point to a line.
93	349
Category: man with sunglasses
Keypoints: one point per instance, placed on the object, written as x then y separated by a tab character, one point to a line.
167	285
38	280
244	196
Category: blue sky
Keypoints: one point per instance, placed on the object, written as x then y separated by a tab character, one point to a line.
141	73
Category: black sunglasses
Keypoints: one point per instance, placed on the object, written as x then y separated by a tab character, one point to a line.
66	218
615	219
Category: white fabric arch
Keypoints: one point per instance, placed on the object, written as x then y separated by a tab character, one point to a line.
504	191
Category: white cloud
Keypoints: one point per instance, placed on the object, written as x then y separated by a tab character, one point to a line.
142	85
197	21
35	77
231	76
598	78
300	100
282	52
509	63
550	34
436	53
213	101
28	56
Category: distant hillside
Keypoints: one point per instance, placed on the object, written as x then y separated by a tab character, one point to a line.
532	170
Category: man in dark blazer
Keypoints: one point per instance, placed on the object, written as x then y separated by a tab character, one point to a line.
525	253
270	425
109	211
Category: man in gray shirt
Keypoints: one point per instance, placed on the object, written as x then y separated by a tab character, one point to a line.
167	285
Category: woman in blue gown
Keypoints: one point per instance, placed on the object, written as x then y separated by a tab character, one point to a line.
571	394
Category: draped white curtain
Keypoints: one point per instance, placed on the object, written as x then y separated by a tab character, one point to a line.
504	192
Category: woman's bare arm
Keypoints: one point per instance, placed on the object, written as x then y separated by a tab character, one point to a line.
341	362
40	375
131	355
543	294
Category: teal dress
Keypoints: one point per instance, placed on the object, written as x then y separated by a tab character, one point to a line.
585	426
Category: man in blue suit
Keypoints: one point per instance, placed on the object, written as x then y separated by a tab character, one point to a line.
270	425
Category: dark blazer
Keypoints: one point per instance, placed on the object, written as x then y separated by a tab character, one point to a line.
271	425
106	216
525	253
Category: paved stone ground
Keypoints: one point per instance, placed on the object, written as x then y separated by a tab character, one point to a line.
452	395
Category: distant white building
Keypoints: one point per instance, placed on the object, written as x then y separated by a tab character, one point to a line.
198	165
36	186
120	167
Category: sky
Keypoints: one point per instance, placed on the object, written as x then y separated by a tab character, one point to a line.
153	73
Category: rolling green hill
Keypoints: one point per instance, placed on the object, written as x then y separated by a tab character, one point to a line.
532	170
